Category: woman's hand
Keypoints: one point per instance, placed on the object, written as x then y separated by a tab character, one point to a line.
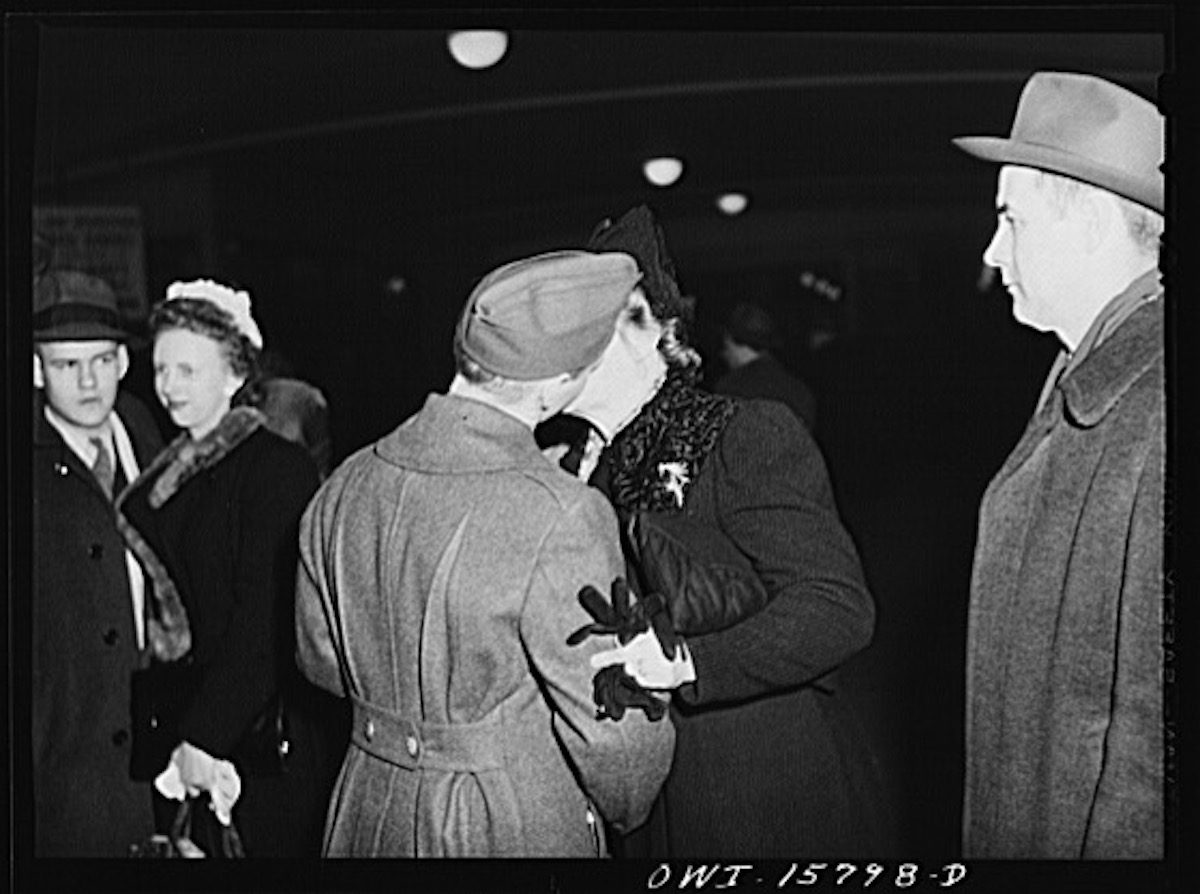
644	660
192	771
197	768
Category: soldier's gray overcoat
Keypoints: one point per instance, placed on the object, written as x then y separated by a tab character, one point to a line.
437	587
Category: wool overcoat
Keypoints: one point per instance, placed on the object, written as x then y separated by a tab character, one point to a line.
1064	715
84	650
768	762
438	585
226	536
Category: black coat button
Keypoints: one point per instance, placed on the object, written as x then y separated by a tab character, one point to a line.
120	737
110	637
96	551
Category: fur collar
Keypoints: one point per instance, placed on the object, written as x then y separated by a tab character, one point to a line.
167	631
184	458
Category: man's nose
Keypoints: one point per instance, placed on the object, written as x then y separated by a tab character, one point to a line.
87	376
996	252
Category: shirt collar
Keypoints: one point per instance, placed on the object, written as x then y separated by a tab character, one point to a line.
80	441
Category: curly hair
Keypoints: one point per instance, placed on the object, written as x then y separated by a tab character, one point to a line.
205	318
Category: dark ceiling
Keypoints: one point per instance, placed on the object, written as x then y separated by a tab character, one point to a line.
377	130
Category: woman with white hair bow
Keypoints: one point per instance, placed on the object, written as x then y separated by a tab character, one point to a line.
220	708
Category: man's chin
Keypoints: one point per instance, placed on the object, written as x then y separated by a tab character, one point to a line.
1025	319
89	417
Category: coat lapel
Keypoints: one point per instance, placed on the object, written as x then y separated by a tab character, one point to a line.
45	437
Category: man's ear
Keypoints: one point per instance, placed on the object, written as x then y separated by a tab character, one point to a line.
39	378
122	362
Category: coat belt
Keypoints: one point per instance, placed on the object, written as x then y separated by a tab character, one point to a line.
458	747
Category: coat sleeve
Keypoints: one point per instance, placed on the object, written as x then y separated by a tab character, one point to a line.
621	764
1126	818
317	616
243	672
775	502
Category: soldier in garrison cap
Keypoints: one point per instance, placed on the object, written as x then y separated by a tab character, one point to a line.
1064	715
437	591
88	591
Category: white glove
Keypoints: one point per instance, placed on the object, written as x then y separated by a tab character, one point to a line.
192	771
643	660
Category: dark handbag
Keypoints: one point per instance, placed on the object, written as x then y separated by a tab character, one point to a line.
195	833
707	582
264	749
158	696
161	693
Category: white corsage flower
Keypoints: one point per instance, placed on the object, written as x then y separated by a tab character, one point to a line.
235	303
677	479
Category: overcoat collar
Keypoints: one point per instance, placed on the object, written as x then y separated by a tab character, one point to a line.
456	435
1089	392
45	436
184	458
1092	389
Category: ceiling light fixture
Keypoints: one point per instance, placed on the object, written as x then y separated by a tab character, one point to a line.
477	49
663	171
732	203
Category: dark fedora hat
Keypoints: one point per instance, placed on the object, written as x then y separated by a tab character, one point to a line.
69	305
1086	128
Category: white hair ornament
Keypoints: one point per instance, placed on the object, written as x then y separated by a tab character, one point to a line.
234	303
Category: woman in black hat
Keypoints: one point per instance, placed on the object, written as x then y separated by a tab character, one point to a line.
221	709
768	762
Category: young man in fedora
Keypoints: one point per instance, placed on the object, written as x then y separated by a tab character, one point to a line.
1064	715
88	592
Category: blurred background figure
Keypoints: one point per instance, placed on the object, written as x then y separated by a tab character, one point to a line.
749	342
88	438
295	409
215	521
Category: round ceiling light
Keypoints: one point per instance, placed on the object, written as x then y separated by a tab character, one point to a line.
477	49
663	171
732	203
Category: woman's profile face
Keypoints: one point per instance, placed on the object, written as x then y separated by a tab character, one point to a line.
630	370
193	379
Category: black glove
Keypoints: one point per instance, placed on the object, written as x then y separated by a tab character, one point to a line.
626	618
613	690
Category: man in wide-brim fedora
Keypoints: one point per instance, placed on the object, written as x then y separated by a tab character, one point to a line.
88	592
1064	714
